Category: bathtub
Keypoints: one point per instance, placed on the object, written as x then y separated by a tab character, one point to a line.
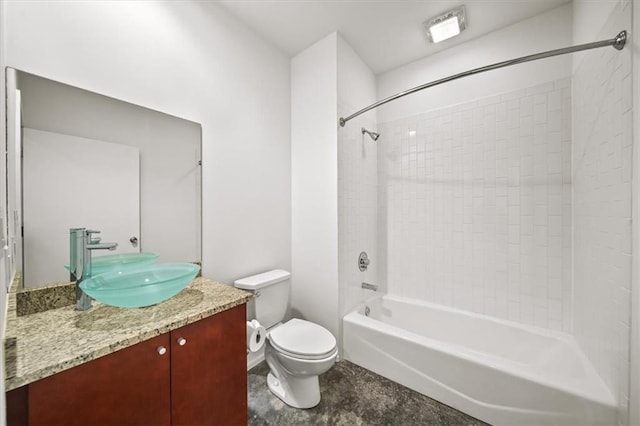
497	371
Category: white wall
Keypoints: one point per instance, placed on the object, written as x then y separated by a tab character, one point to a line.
634	391
333	181
192	60
357	178
314	179
589	17
550	30
602	173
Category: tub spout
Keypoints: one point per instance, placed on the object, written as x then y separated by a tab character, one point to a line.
368	286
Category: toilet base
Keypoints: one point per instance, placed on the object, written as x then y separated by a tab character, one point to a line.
298	392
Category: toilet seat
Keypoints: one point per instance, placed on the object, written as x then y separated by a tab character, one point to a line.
303	340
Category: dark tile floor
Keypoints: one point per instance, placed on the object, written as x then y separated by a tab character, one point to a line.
351	395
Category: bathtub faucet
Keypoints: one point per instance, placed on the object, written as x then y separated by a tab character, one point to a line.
368	286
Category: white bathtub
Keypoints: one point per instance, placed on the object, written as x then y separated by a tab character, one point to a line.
497	371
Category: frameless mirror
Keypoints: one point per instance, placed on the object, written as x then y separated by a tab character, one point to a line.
82	159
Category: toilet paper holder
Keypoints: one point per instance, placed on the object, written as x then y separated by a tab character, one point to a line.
256	336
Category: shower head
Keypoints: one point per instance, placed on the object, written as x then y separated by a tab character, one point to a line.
373	135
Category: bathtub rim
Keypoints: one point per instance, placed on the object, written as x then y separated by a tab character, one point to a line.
556	334
600	395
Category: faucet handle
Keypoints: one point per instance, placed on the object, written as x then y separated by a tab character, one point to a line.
91	231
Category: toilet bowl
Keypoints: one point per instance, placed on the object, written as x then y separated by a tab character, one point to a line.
297	352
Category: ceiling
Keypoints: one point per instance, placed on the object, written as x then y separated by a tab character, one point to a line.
385	33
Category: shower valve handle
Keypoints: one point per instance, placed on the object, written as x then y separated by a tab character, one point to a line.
363	261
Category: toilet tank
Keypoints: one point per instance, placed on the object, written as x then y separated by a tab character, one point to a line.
271	296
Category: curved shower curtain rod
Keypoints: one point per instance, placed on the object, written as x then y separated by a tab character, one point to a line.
617	42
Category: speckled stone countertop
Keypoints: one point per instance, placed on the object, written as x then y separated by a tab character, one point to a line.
58	339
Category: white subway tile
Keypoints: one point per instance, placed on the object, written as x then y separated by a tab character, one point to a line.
489	216
601	95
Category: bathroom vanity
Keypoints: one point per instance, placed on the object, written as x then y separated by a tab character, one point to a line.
182	361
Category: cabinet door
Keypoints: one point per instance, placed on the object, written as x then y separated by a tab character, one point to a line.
17	406
209	371
128	387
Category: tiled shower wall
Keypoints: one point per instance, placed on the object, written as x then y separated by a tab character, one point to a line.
602	115
357	208
475	206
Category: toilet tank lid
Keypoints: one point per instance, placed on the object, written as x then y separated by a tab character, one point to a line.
264	279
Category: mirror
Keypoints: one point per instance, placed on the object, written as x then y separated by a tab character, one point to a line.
88	160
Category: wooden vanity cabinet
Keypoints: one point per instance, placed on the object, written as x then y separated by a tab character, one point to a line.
209	371
129	386
195	374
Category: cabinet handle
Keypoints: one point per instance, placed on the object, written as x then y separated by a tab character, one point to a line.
182	341
162	350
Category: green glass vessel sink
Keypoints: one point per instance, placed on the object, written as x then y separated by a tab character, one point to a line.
139	287
119	262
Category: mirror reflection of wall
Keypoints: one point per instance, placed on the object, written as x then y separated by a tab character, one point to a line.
101	163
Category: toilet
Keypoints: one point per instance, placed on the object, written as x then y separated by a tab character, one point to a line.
297	351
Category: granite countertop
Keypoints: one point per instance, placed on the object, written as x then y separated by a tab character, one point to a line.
46	343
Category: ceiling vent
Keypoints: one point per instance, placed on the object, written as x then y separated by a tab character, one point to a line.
447	25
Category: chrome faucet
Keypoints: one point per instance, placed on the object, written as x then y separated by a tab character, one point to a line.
368	286
81	243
